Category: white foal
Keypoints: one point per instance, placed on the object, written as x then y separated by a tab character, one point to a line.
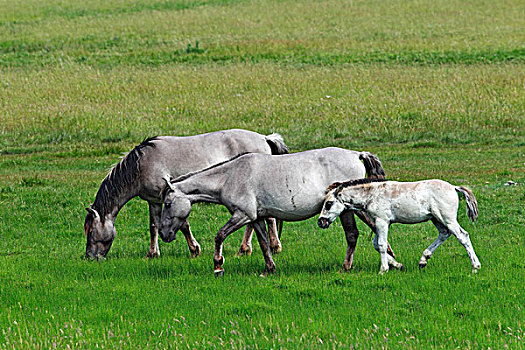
387	202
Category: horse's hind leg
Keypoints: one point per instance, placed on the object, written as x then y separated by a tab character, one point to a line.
444	234
275	243
262	237
154	221
464	239
351	235
246	245
193	245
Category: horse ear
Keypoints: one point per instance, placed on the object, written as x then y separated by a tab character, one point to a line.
93	212
168	179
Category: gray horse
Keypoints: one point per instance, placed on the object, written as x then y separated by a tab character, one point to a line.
141	172
256	186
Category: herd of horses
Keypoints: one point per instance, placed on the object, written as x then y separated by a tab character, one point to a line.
261	184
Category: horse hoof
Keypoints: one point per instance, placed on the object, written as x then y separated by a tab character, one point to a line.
218	273
195	253
153	255
346	268
267	273
276	250
243	252
422	266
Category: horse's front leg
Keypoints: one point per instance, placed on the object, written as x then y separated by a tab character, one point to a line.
154	222
372	226
382	244
262	237
193	245
237	220
351	234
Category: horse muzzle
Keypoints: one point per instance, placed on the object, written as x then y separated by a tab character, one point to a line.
323	223
170	236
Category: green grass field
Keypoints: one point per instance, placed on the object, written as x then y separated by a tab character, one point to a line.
435	88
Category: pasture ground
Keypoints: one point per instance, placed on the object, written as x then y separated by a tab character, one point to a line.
434	88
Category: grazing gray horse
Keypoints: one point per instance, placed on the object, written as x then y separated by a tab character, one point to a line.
141	172
388	202
256	186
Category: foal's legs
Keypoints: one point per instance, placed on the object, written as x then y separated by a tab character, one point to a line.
237	221
444	234
463	238
372	226
275	243
391	260
445	230
381	241
262	237
193	245
154	222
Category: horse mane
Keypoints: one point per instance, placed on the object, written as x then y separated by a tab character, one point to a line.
364	181
119	178
188	175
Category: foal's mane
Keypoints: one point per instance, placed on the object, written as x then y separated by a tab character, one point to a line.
120	177
340	185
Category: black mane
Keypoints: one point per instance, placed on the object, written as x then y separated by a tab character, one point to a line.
364	181
188	175
120	177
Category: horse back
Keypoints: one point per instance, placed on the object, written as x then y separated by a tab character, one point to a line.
294	183
176	156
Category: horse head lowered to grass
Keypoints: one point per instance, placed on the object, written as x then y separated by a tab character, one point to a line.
141	172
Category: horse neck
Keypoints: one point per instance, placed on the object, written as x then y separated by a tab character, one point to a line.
203	187
111	198
360	193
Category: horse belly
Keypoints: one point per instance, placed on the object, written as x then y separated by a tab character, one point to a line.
291	214
292	206
410	212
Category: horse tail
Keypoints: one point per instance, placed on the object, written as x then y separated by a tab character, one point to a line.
373	166
472	205
276	143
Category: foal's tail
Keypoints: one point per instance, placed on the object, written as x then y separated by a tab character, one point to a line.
472	205
276	143
373	166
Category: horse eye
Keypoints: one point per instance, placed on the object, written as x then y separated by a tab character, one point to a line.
168	204
328	205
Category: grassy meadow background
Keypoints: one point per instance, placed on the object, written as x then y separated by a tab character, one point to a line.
434	88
